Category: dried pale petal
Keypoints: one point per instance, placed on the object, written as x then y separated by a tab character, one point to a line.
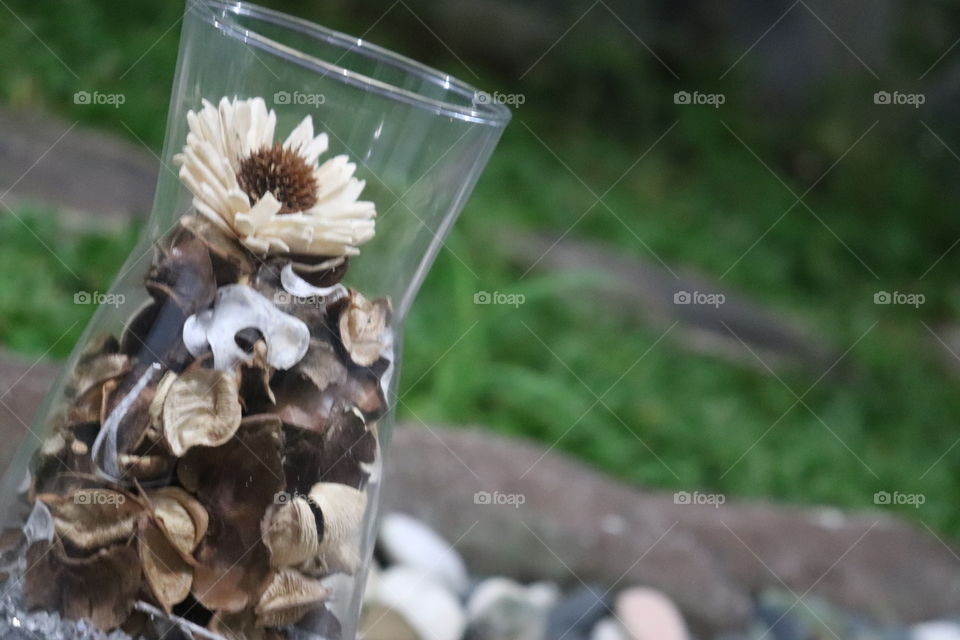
362	328
290	596
168	575
94	518
290	532
201	408
240	307
181	517
343	508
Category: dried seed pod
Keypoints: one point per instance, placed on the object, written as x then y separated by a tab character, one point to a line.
323	272
236	483
338	453
321	366
93	371
166	544
201	408
181	517
240	307
292	532
101	587
343	508
125	417
168	576
183	274
231	262
289	597
243	626
90	519
362	327
154	334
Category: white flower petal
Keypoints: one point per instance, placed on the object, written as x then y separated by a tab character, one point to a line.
300	137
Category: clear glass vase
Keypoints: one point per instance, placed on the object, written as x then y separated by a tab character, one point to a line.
208	463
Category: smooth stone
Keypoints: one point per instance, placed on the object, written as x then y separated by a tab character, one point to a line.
609	629
501	609
383	623
936	630
574	616
426	603
648	614
781	620
409	542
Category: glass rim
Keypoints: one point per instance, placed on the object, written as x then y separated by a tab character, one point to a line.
218	13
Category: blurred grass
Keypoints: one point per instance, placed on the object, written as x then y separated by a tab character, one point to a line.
699	200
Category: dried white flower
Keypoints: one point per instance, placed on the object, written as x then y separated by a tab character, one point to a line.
239	307
273	196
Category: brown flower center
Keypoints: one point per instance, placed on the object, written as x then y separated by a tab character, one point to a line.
282	172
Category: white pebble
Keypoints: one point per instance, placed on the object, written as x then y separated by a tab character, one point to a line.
648	614
935	631
409	542
608	629
428	605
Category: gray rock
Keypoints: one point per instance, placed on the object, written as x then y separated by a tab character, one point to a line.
501	609
575	616
578	523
